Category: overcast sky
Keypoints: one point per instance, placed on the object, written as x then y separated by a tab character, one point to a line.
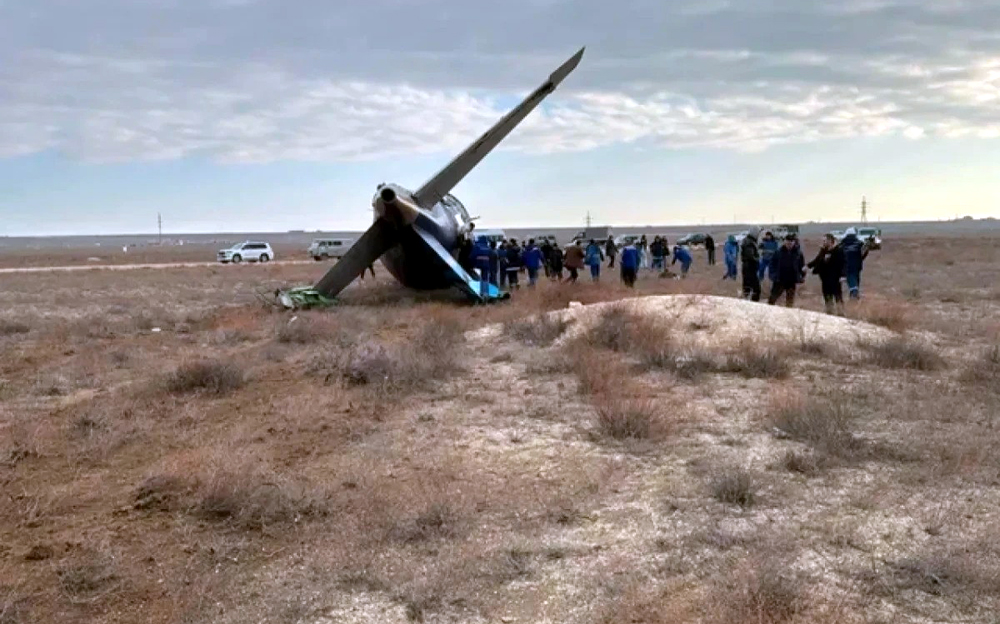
284	114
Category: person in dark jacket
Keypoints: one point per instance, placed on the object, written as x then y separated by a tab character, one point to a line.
788	267
546	249
658	252
556	262
574	261
768	247
829	266
480	255
629	264
532	258
750	264
611	250
513	265
710	248
855	253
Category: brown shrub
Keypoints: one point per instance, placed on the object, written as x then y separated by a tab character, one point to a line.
436	521
627	419
255	500
802	463
620	329
86	580
904	353
889	313
985	370
763	592
598	373
824	424
540	331
951	573
734	486
211	376
10	327
758	362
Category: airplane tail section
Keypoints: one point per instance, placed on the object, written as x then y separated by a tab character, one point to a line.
441	184
379	238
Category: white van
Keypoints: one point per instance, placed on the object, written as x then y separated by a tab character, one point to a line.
329	248
491	235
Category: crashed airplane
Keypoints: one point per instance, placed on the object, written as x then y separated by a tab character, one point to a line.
416	234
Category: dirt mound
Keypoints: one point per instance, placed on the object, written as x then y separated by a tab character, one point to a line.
719	321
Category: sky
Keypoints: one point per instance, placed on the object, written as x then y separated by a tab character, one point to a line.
270	115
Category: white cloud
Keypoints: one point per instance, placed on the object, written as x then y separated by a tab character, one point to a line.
259	80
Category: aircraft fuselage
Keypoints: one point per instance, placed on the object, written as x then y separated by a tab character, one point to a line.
410	260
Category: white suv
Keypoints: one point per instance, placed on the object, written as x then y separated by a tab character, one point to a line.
246	252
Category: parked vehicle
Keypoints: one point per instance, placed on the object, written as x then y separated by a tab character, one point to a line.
322	248
496	235
871	237
626	239
596	233
691	240
249	251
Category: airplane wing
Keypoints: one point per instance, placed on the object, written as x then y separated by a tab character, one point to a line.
441	184
379	239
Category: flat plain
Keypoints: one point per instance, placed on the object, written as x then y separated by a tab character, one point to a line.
173	449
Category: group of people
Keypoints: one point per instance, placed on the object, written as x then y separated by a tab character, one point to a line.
755	258
784	264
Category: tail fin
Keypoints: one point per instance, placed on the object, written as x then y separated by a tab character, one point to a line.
440	185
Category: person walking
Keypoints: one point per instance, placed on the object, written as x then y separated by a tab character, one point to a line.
788	266
546	249
610	250
556	262
574	261
594	259
731	253
513	265
629	264
829	266
532	262
682	255
750	264
657	251
642	247
710	248
855	253
768	247
502	257
480	256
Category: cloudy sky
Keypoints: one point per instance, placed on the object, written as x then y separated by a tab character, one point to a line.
285	114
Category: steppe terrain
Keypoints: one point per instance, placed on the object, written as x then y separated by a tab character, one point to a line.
172	449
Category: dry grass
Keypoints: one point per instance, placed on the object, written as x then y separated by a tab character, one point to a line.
889	313
824	423
11	327
628	419
761	592
755	361
540	331
734	486
209	376
902	352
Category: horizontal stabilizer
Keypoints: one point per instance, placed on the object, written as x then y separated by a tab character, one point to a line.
440	185
380	238
465	282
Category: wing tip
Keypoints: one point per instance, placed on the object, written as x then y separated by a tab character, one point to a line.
564	70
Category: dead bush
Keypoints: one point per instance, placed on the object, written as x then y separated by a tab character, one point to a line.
369	362
10	327
763	592
823	424
437	521
598	372
758	362
802	463
160	493
627	418
888	313
255	500
540	331
623	330
949	573
87	579
985	370
298	331
210	376
901	352
735	486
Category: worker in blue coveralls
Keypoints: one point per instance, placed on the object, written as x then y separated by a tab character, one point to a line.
682	255
768	248
532	258
481	261
731	251
629	264
855	253
594	257
494	264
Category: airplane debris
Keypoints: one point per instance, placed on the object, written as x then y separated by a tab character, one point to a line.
417	234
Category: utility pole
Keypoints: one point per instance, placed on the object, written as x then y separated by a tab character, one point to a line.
589	220
159	229
864	210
